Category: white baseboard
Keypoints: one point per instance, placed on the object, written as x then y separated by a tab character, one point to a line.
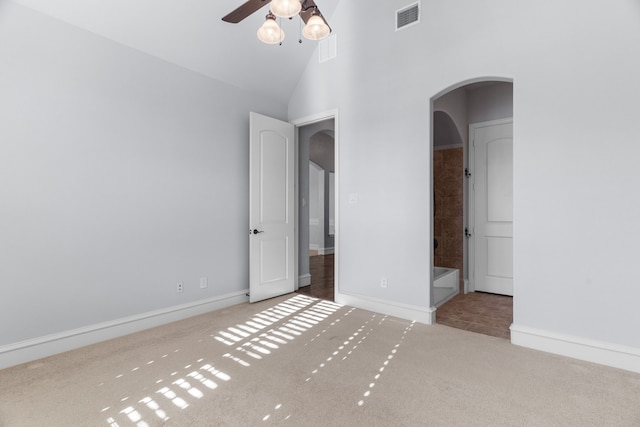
304	280
600	352
316	249
391	308
26	351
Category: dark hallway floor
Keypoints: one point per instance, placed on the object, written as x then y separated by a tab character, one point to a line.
321	268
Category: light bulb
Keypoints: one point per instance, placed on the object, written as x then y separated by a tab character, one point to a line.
316	29
285	8
270	32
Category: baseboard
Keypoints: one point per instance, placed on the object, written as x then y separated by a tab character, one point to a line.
600	352
26	351
304	280
391	308
316	250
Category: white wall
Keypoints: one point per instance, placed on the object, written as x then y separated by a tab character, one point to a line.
574	66
120	175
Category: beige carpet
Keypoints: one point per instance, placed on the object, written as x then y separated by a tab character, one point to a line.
300	361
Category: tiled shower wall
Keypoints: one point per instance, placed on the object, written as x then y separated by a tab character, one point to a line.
448	175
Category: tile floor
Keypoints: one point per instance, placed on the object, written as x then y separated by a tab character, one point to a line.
478	312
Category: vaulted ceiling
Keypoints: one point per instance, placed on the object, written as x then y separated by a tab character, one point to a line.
191	34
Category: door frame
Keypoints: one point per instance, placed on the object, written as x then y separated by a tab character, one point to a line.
471	219
298	123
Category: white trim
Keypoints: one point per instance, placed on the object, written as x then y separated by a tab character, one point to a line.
26	351
314	118
304	280
604	353
391	308
325	251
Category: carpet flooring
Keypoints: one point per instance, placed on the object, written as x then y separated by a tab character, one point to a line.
301	361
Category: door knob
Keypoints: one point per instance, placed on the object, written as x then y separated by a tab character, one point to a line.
256	231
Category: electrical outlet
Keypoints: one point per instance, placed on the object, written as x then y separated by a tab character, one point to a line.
383	282
179	287
204	282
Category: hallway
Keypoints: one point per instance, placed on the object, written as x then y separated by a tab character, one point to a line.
321	268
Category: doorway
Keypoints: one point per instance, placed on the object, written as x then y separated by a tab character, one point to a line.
317	207
453	113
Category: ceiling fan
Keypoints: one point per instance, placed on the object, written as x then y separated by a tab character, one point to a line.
316	27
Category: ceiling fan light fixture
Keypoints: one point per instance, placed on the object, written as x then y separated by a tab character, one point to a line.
316	28
285	8
270	32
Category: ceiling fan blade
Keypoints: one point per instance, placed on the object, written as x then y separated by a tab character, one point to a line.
307	11
245	10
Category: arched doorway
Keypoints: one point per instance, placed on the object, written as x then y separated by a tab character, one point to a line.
454	111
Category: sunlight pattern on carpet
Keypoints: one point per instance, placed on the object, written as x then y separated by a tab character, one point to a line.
255	339
390	356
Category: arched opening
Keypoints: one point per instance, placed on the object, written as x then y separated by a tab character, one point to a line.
456	112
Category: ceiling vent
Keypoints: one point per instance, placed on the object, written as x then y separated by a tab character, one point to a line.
408	16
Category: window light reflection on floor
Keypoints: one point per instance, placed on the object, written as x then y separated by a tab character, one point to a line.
255	339
345	349
390	356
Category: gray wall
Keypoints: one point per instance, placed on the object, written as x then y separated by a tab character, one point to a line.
575	216
120	175
322	153
490	101
474	103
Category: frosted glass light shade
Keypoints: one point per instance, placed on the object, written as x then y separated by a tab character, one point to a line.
316	29
285	8
270	32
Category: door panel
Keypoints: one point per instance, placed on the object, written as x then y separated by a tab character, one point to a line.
500	180
271	206
493	207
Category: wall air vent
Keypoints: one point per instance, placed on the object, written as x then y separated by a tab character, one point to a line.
328	48
408	16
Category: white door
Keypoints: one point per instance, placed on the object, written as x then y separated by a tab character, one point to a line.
492	206
271	208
